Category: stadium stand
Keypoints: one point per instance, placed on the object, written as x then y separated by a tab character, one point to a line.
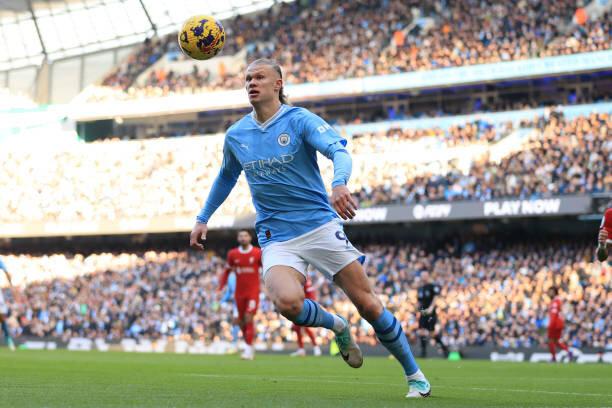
393	37
493	294
116	180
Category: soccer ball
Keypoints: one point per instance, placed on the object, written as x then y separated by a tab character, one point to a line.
201	37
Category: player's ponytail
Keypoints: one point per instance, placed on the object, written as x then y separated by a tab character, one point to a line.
281	92
282	97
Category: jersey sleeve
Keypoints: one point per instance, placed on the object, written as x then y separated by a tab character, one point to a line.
320	135
230	166
223	184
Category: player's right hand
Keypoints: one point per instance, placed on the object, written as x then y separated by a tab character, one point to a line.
198	236
603	237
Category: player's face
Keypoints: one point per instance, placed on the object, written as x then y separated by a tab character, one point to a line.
262	84
425	277
244	238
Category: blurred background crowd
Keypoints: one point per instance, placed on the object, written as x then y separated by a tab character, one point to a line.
323	40
492	294
114	180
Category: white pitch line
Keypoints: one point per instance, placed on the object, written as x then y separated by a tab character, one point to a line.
318	380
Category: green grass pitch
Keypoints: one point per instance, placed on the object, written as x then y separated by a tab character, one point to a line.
94	379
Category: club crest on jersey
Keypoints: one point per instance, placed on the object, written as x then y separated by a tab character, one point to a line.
284	139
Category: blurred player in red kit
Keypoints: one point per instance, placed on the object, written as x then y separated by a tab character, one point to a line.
555	324
605	235
245	262
310	292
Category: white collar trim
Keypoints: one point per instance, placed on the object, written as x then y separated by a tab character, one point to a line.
245	251
270	120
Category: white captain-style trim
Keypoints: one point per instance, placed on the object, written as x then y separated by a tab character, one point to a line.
245	251
268	122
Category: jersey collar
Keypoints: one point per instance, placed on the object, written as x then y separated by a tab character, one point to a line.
263	126
245	251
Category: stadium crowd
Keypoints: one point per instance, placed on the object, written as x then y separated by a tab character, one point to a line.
330	39
564	157
119	180
491	294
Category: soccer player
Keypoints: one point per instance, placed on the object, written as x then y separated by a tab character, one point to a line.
605	236
4	310
555	324
245	261
310	292
276	145
428	319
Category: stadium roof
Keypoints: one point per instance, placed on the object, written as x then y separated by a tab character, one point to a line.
33	29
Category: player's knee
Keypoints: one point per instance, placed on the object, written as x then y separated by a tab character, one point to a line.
369	307
289	306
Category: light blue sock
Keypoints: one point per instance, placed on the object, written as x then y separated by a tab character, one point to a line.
235	333
391	335
313	315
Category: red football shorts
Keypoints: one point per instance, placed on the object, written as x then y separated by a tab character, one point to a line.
554	333
246	304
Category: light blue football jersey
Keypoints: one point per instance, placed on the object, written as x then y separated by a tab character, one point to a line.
280	163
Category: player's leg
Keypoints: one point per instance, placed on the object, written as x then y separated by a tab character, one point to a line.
5	330
241	305
423	334
562	345
235	329
249	327
552	342
300	341
353	280
433	322
285	287
443	346
553	351
316	350
4	310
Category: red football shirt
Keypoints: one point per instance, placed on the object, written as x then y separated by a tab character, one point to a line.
309	291
246	265
554	314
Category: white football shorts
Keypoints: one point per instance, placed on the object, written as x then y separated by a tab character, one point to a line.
325	248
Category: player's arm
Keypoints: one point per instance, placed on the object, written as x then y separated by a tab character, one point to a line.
320	135
6	273
221	188
602	245
225	274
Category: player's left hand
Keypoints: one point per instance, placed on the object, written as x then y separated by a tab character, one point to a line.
343	202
